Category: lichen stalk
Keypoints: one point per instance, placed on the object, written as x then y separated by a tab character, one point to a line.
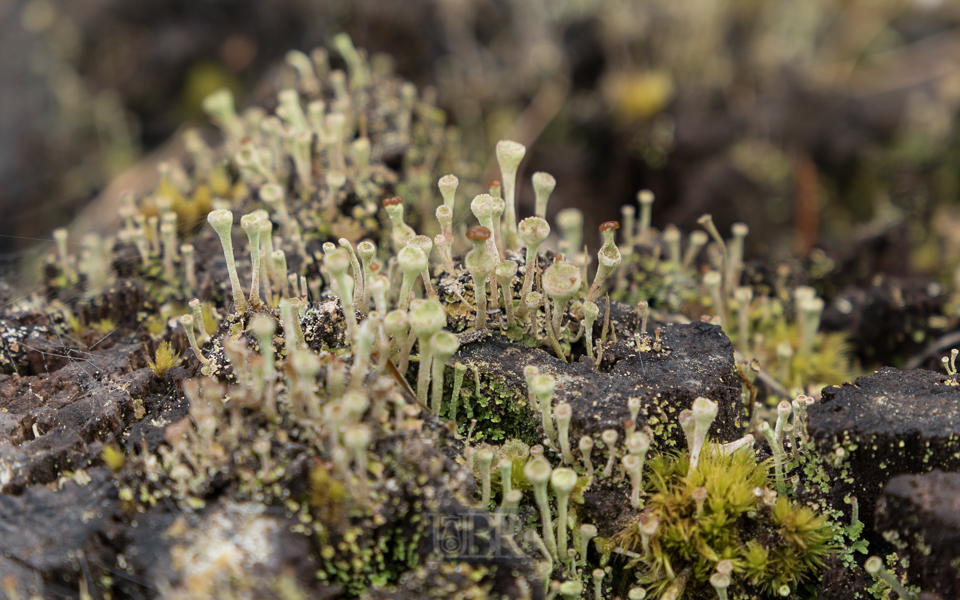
532	537
735	264
251	226
587	533
704	413
590	313
484	460
361	360
671	236
498	207
273	195
459	370
222	222
425	244
483	207
706	221
480	263
533	231
608	256
509	155
168	233
264	327
290	338
628	215
427	317
412	261
359	289
444	345
448	189
538	473
633	468
197	310
401	232
337	263
357	438
367	251
563	413
306	365
187	322
645	198
561	281
777	455
279	260
638	444
743	296
609	438
443	243
586	447
720	583
562	481
543	186
874	566
543	387
189	266
696	241
506	271
699	496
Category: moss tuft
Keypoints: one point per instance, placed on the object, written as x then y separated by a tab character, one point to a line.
165	358
771	541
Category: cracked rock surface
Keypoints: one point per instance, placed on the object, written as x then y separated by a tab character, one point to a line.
58	422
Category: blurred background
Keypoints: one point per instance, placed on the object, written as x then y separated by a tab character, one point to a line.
828	126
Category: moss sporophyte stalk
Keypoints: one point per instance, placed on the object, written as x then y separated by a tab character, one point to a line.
332	352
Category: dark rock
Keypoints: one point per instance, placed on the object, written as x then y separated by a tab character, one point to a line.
193	555
47	355
920	514
889	320
840	582
44	531
464	580
604	502
162	409
30	343
429	497
695	360
124	303
58	421
886	424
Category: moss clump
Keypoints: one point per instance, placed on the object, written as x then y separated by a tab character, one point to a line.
501	412
165	359
771	541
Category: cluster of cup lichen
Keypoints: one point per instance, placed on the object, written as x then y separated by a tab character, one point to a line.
778	326
296	396
311	380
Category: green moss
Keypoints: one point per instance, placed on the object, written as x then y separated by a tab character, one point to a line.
501	412
770	543
165	359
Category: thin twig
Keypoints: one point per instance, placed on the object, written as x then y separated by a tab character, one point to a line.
938	346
